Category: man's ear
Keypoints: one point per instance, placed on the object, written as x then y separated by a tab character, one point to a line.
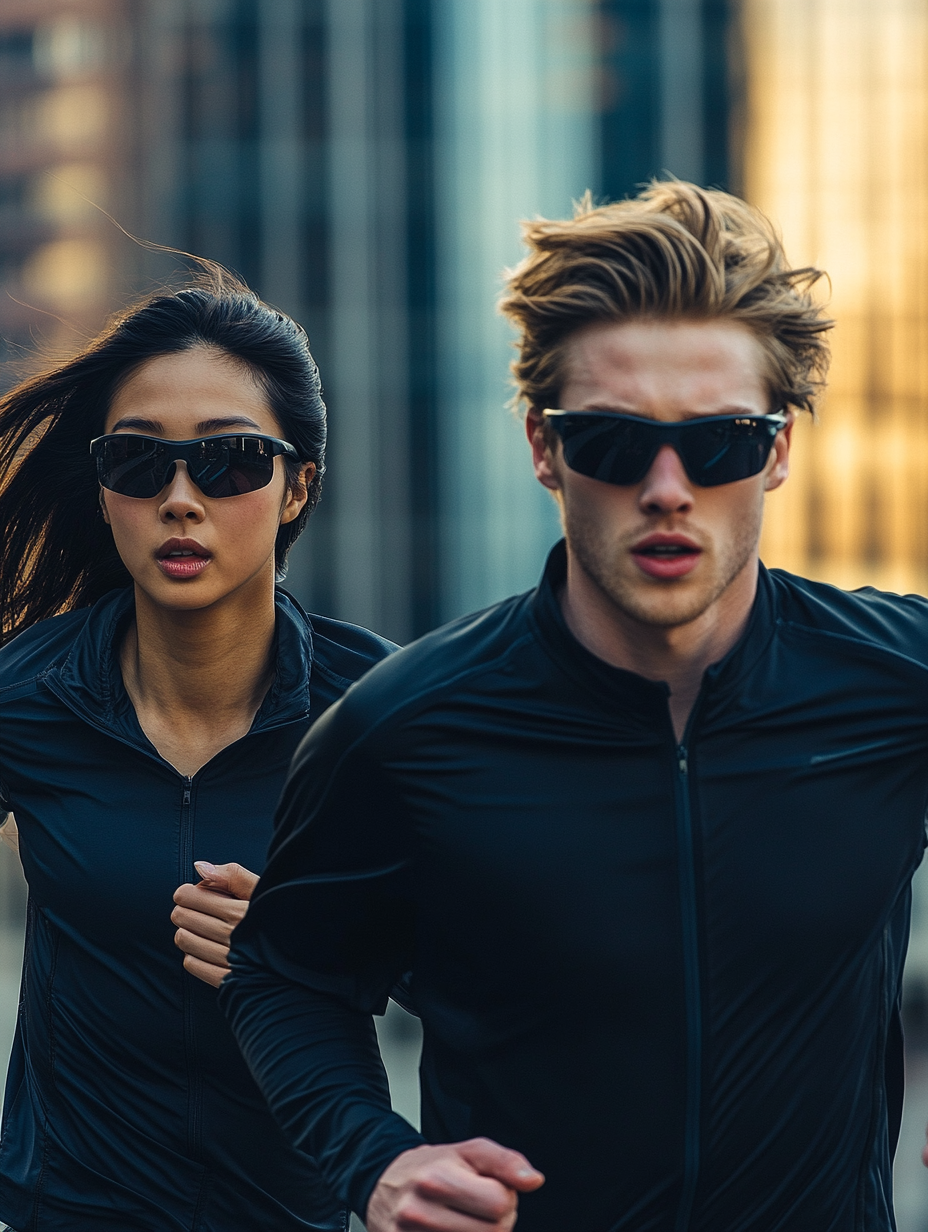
543	457
779	471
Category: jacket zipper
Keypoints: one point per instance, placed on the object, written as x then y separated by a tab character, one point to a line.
686	869
185	854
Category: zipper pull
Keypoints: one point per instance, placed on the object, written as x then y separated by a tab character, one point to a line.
681	759
187	784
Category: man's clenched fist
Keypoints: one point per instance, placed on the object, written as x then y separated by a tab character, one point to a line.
471	1186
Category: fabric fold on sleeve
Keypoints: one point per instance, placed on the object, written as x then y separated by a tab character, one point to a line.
318	1065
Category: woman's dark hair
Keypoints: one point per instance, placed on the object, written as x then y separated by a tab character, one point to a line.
57	552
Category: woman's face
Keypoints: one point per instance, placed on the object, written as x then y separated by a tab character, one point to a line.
195	393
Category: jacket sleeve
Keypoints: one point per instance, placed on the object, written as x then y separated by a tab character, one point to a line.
327	934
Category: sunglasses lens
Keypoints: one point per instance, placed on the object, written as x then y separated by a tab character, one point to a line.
617	451
726	451
232	465
132	465
140	466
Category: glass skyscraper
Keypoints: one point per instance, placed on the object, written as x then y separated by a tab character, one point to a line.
363	164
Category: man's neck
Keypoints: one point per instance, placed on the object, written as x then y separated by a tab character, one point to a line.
678	654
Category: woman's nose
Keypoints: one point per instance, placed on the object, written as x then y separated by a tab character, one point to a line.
181	498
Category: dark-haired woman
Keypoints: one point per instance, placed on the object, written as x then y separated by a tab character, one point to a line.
149	706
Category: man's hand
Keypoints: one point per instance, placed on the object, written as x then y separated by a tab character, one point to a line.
468	1186
206	914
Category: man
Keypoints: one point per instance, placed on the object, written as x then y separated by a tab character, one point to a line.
644	836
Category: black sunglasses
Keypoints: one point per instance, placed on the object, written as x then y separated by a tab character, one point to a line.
620	449
219	465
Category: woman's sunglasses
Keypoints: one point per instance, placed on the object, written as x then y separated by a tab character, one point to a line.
219	465
620	449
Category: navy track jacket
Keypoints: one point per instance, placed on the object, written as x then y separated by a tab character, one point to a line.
668	973
128	1107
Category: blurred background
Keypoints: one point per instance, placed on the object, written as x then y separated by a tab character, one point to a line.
363	164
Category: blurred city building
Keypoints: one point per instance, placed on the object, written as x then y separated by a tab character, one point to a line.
65	132
836	151
362	164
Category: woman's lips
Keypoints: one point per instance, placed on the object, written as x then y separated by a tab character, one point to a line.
182	567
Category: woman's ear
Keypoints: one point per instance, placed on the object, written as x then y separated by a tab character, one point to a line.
102	499
298	493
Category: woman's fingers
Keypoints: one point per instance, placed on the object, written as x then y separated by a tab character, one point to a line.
208	926
205	917
212	952
208	902
205	971
231	879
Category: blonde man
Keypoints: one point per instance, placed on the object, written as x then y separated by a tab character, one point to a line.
644	836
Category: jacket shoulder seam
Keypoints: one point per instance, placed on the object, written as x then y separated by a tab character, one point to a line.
36	679
347	753
425	694
333	677
864	643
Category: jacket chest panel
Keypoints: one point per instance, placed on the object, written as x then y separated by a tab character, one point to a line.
109	832
563	857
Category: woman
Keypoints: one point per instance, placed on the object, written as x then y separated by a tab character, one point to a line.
150	490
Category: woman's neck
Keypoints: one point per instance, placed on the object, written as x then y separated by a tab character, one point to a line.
197	678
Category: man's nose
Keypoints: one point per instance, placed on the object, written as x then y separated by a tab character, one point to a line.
666	488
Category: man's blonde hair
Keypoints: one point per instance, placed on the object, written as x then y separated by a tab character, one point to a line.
673	251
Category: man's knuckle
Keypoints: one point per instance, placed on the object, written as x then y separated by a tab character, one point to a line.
411	1217
431	1184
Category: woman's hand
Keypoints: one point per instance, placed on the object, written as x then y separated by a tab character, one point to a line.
205	915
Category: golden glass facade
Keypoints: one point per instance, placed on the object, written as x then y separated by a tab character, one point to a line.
836	153
65	158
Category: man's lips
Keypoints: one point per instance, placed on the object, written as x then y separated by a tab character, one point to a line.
666	556
182	558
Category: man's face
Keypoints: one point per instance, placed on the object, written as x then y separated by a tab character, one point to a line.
663	550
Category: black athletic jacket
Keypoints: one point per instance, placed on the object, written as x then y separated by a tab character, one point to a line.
669	973
128	1106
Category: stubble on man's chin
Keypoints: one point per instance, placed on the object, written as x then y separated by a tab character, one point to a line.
658	604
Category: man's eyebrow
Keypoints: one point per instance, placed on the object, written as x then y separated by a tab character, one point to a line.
605	408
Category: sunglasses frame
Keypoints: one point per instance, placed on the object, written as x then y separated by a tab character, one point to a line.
667	433
185	451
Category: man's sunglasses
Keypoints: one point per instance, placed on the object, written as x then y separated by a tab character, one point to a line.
620	449
219	465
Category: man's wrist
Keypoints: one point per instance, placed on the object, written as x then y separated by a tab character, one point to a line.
367	1176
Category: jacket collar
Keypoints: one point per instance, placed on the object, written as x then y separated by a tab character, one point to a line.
90	681
618	687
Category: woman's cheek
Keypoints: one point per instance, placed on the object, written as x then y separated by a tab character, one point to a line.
132	529
246	526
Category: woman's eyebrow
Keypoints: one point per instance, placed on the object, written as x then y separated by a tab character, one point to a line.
205	426
142	425
231	421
